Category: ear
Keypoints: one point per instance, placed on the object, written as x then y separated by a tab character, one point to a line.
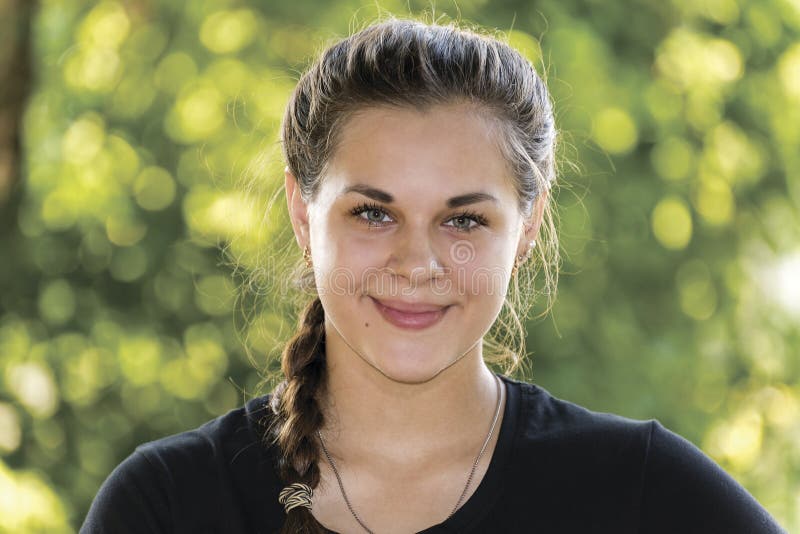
298	210
532	223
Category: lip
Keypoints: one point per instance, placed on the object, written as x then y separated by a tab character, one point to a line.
414	316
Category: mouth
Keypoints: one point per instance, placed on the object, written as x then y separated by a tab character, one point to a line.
412	320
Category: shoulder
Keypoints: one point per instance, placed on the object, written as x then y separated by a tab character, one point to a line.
618	462
187	478
582	468
220	442
134	498
220	439
577	450
677	472
547	418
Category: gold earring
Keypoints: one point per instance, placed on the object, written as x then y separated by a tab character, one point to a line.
517	263
307	256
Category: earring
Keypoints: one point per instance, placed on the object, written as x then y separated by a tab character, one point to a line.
522	257
307	256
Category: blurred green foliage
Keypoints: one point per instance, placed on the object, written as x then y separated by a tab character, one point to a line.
680	294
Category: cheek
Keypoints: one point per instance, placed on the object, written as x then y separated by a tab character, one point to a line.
345	267
482	268
484	281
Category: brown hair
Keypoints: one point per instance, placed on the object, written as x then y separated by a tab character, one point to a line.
410	64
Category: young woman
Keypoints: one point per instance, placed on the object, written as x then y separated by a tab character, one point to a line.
419	164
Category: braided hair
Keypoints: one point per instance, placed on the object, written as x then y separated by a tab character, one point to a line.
295	402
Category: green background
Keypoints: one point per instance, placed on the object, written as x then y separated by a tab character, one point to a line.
679	223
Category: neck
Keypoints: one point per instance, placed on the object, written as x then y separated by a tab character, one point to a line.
371	417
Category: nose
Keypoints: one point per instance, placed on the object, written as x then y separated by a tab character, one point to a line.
414	256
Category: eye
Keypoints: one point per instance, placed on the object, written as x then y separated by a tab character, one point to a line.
468	216
369	209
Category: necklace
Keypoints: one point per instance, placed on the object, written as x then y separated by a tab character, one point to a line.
466	486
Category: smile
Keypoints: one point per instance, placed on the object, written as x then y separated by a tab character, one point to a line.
410	320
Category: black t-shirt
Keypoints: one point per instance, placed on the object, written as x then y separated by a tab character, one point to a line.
557	468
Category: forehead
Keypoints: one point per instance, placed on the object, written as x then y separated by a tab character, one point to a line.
446	149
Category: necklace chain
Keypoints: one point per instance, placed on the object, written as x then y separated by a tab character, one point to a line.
466	486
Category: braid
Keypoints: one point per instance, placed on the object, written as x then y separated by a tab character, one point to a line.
298	415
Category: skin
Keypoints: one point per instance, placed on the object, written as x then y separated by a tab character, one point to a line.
401	405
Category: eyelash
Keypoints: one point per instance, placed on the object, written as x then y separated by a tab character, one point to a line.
368	206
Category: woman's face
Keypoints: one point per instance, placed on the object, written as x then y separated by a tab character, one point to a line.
415	209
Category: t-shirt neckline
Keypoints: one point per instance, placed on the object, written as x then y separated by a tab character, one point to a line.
488	490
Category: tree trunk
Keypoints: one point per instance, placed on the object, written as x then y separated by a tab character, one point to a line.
15	82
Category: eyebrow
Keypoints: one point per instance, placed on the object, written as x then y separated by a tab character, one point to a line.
383	196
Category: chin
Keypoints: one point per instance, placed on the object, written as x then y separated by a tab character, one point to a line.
409	377
402	369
